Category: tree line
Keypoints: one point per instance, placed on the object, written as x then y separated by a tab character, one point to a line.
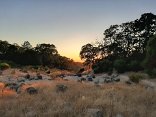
124	46
42	54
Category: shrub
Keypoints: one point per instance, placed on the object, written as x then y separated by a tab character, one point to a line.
120	65
136	77
4	66
134	66
103	66
151	72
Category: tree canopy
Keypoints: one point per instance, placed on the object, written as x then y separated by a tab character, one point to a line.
42	54
126	41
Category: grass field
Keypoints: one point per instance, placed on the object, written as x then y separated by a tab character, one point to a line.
110	99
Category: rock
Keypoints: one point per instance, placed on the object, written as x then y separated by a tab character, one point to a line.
116	79
61	88
93	76
81	70
94	113
14	86
31	90
90	79
48	72
79	75
128	82
108	80
65	79
27	76
20	80
39	76
82	79
61	75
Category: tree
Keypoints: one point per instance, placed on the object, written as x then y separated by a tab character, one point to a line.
125	41
89	53
26	45
150	60
128	38
47	52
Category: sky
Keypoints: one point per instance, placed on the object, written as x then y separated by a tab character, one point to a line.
68	24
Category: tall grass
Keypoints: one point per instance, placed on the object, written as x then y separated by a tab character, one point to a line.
111	99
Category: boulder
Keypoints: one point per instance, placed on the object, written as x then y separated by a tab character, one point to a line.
31	90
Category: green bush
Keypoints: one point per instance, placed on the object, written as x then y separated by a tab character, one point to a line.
136	77
120	65
4	66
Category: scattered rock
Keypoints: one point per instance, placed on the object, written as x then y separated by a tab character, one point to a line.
31	90
61	88
14	86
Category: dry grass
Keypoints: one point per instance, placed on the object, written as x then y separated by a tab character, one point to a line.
130	101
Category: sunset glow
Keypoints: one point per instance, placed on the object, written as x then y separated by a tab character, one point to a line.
68	24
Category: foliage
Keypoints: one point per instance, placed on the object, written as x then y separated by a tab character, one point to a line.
4	66
134	65
136	77
120	65
89	53
149	62
103	66
127	41
42	54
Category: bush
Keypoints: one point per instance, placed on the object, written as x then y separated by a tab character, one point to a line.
136	77
4	66
151	73
134	66
120	65
103	66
